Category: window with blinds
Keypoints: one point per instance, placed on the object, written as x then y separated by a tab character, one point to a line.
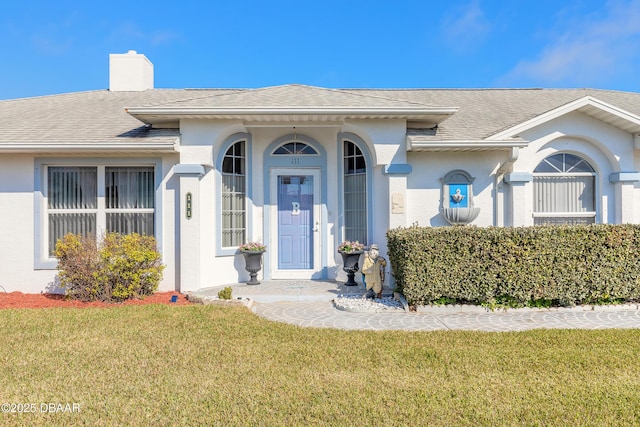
234	195
74	201
129	199
355	193
564	191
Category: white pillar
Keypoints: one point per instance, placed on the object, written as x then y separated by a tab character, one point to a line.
397	202
521	198
397	209
397	175
189	223
624	190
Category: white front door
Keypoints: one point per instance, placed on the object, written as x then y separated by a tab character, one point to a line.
295	223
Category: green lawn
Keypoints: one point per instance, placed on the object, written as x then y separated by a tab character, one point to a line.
213	365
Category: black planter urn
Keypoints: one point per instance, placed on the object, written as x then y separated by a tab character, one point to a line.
253	264
350	265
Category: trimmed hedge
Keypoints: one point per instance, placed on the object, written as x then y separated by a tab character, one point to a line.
558	265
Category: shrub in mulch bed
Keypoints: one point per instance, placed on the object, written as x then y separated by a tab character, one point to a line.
114	268
20	300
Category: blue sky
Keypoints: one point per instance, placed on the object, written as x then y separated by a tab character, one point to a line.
51	47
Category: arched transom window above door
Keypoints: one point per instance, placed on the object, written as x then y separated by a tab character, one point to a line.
564	190
295	148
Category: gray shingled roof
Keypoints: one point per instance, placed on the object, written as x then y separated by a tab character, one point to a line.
100	116
485	112
83	117
295	95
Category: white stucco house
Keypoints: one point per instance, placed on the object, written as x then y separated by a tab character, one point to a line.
299	168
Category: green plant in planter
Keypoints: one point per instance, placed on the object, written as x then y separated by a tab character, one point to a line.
225	293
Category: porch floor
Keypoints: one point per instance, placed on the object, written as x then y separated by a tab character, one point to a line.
286	290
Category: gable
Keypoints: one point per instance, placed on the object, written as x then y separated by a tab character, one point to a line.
588	105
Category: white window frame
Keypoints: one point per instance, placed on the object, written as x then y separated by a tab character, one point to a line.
578	214
123	210
364	211
369	162
87	211
42	259
228	143
240	194
295	143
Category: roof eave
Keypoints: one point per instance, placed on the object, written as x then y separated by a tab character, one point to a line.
416	144
151	115
84	147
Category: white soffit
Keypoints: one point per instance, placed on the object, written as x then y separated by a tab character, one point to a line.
414	143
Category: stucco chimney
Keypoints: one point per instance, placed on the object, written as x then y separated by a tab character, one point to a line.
130	71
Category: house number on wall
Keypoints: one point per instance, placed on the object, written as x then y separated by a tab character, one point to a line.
189	205
295	160
295	208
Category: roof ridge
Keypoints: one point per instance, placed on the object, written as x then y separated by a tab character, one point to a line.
422	104
57	95
350	92
227	92
192	98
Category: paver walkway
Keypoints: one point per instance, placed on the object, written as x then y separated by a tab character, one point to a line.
309	304
325	315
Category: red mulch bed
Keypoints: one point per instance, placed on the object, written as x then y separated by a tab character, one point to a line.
20	300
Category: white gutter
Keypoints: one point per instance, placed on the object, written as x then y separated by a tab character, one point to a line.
33	147
274	114
347	111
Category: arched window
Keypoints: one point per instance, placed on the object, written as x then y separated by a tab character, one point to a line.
234	195
355	193
564	191
295	148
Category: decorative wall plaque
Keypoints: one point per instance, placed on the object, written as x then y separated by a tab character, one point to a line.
457	198
397	203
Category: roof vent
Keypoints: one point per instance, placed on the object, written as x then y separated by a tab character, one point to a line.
130	71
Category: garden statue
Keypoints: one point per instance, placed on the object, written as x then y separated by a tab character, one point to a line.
373	268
